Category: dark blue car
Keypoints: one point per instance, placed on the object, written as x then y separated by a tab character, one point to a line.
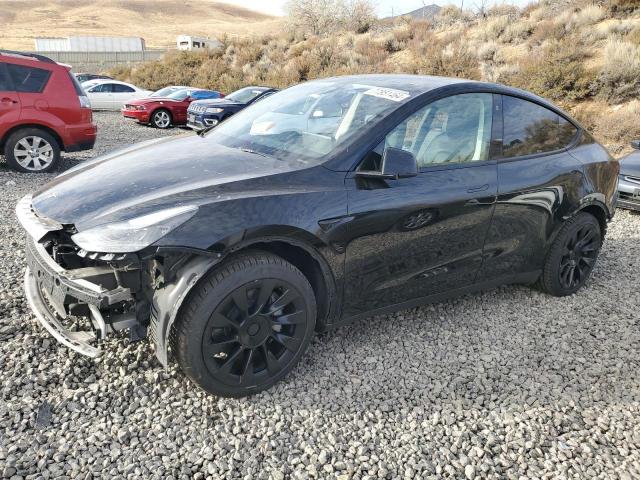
208	113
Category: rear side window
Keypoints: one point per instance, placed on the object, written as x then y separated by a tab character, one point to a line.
531	129
102	88
118	88
28	79
5	82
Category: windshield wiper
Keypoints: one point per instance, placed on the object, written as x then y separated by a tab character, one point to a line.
248	150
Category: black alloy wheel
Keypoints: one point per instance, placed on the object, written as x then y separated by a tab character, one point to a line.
579	256
255	332
245	325
572	255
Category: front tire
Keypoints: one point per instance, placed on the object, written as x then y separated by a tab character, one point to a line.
572	256
32	150
161	118
245	325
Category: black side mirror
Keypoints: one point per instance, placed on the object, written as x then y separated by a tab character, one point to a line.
398	163
635	144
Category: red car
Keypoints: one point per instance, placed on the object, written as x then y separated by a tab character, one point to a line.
162	112
43	110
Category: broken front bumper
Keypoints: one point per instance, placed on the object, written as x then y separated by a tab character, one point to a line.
53	291
50	290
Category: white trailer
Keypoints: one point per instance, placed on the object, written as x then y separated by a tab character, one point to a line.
188	42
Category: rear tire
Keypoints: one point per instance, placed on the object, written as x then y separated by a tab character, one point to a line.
32	150
245	325
572	256
161	118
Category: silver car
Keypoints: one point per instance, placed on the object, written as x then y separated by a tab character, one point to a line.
629	180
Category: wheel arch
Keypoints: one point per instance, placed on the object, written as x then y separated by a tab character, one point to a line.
168	301
39	126
591	205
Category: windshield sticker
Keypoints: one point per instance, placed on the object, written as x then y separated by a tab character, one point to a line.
388	93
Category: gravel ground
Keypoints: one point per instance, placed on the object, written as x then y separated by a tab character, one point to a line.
506	384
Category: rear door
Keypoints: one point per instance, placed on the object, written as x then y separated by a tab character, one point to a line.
101	96
121	95
9	101
30	82
539	183
421	236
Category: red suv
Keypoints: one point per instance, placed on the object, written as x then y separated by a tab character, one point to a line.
43	110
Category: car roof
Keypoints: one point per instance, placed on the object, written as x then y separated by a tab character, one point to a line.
420	84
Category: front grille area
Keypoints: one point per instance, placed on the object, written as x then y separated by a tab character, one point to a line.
628	197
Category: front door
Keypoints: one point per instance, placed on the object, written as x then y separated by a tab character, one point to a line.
420	236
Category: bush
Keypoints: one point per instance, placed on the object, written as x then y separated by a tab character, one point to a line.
556	72
617	7
619	77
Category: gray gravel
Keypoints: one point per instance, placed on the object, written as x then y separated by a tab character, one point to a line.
506	384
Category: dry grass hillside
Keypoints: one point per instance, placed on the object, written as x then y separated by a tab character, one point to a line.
158	21
581	54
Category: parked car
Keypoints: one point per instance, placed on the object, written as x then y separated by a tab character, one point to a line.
163	112
208	113
163	92
43	110
233	247
83	77
629	180
113	94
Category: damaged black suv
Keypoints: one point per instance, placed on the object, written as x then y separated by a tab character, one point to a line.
328	201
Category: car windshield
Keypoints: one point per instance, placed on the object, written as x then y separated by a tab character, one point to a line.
180	94
163	92
244	95
310	121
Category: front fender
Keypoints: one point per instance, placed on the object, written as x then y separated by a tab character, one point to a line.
167	301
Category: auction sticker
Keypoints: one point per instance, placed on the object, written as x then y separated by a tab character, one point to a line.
388	93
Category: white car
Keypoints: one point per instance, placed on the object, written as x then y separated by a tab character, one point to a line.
112	94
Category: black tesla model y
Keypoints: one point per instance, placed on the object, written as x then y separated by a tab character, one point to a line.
330	200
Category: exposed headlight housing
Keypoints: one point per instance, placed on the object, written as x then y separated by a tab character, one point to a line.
214	110
134	234
140	107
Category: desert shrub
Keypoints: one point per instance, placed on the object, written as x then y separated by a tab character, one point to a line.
619	78
492	28
617	7
583	17
517	31
547	30
452	60
450	15
487	51
504	10
556	72
634	35
614	128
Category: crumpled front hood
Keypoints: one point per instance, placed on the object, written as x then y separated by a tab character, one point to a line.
630	165
145	177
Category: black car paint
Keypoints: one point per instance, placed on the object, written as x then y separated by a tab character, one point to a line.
383	244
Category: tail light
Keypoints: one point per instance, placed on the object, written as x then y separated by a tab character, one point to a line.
84	101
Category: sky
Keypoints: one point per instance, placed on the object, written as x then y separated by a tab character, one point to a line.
276	7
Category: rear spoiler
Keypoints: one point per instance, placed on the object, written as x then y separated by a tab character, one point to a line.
14	53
